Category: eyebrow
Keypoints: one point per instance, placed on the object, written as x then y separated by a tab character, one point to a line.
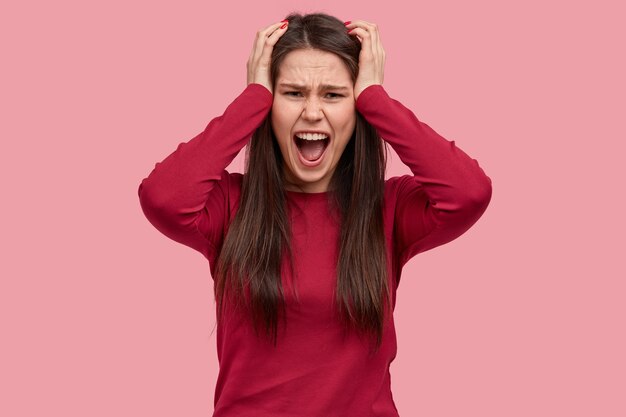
323	87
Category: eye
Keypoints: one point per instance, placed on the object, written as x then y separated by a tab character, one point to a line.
334	95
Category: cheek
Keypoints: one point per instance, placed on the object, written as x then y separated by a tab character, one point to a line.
345	129
344	122
343	114
284	142
283	117
280	126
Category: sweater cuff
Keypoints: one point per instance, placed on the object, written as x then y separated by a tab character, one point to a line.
368	97
260	91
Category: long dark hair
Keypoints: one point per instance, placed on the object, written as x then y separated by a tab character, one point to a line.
249	262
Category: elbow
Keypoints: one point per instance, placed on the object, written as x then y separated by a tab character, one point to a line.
145	199
155	210
478	200
144	194
149	200
483	197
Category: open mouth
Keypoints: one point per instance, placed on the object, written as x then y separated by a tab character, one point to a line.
311	150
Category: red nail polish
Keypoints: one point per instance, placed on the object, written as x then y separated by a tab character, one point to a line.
347	23
284	24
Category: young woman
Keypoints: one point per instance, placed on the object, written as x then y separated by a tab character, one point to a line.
312	236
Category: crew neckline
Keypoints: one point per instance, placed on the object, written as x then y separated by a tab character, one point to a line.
301	194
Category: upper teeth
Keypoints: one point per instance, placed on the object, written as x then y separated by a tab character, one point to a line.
311	136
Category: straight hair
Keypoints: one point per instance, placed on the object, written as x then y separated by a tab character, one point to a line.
249	263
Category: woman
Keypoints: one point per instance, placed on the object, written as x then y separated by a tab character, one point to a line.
312	236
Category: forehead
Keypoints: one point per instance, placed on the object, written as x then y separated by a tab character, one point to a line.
305	66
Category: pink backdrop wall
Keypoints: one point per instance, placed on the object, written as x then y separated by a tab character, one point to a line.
521	316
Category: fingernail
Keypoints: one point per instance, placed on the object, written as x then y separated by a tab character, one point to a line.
284	24
284	20
347	23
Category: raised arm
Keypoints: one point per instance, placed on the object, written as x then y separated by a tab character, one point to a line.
186	195
448	191
189	187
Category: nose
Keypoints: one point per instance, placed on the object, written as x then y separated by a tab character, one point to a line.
312	110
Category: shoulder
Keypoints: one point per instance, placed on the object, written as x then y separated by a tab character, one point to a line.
231	187
392	183
396	185
402	190
223	200
230	181
235	179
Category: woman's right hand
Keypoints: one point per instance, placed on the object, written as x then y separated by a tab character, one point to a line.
261	55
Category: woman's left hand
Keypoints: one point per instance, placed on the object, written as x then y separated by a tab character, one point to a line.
371	57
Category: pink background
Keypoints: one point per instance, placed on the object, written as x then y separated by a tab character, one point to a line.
524	315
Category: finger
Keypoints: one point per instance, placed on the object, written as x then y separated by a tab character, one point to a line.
262	34
376	45
354	23
258	41
261	37
373	42
271	40
364	36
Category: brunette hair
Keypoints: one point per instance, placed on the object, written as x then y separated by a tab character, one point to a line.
249	262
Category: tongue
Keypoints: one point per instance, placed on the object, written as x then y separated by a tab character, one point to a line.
312	149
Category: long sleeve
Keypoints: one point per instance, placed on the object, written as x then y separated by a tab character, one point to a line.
189	187
448	191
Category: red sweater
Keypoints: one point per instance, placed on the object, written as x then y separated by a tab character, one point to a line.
314	371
